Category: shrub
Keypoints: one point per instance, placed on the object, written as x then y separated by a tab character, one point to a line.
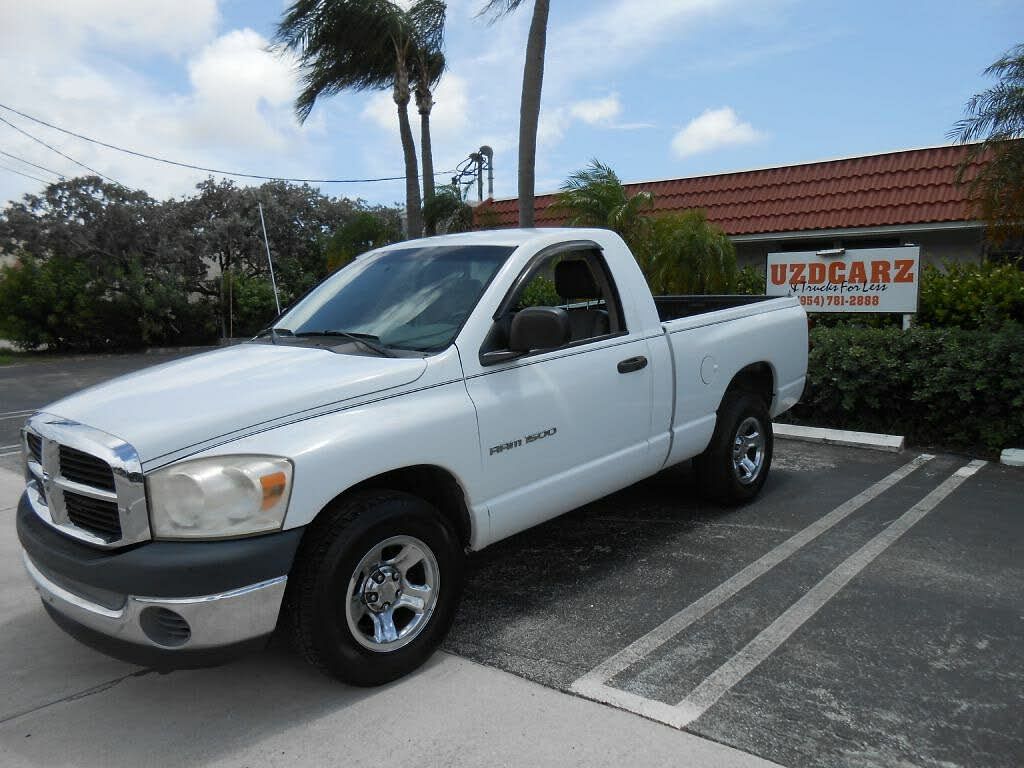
685	254
45	303
61	304
971	296
540	293
960	295
254	307
751	281
957	388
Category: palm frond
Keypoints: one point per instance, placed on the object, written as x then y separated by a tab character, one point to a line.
997	113
343	45
993	168
495	9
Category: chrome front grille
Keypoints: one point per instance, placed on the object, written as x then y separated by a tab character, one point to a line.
80	467
96	515
35	447
85	483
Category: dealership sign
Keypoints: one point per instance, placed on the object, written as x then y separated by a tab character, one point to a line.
841	280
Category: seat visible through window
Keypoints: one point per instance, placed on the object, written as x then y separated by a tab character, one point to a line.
574	282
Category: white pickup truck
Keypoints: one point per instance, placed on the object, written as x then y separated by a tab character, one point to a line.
329	477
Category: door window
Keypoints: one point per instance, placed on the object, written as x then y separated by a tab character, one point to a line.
578	282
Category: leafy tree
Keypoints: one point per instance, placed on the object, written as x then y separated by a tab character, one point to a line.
105	268
995	119
45	302
102	267
254	306
368	45
529	105
363	232
222	226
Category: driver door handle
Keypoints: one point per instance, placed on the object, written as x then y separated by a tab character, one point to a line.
631	364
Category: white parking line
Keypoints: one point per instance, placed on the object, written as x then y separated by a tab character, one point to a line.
9	453
592	684
719	682
13	445
707	693
16	414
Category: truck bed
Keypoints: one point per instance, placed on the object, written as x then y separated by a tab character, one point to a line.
678	307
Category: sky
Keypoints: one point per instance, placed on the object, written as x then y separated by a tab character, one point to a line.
654	88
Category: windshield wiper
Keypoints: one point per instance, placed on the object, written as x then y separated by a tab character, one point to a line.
367	340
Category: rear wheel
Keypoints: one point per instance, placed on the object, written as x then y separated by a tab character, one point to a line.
735	465
375	587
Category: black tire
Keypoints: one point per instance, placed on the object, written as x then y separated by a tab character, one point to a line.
318	589
718	476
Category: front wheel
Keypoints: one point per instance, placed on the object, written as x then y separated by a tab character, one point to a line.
375	587
735	465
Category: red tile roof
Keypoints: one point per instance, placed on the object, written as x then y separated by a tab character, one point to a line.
916	186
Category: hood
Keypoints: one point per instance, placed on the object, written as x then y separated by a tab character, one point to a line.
178	404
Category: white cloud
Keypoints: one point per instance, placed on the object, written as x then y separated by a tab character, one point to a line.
460	122
149	25
233	110
556	121
713	129
597	111
241	92
447	118
617	34
169	79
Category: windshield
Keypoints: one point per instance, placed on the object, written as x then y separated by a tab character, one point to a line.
410	298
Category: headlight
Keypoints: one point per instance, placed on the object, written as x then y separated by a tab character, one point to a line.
219	497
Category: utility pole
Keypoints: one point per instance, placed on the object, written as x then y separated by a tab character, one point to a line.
488	154
474	167
478	161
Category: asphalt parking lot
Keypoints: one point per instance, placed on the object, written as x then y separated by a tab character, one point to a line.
867	610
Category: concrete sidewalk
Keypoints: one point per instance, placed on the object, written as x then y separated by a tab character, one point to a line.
65	704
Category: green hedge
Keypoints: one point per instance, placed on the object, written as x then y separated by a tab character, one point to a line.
971	296
961	389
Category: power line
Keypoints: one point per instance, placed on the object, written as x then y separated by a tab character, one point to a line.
199	167
68	157
34	165
26	175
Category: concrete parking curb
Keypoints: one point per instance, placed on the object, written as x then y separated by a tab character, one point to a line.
890	443
1012	457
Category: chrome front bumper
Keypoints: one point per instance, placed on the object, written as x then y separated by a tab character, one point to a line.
212	621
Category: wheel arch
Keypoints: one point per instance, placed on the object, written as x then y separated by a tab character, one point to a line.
757	379
434	484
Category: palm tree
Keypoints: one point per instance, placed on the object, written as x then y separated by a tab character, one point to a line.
364	45
678	253
594	197
529	105
995	119
428	66
447	211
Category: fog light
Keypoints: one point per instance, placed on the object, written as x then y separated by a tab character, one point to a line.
165	627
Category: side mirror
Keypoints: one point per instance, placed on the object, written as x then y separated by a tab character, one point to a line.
539	328
532	328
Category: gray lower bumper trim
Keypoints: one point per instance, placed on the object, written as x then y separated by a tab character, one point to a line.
215	620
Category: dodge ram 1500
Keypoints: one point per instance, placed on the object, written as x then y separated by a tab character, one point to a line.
328	477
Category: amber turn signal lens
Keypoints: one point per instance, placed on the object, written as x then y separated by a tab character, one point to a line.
273	488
